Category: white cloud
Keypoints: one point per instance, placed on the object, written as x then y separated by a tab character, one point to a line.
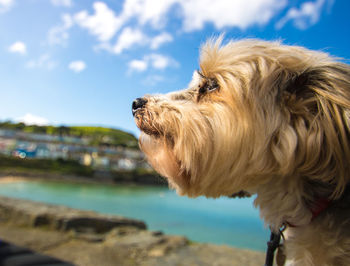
136	15
160	39
77	66
6	5
159	61
30	119
308	15
148	11
18	47
65	3
227	13
6	2
44	61
156	61
138	65
129	37
59	34
195	13
103	23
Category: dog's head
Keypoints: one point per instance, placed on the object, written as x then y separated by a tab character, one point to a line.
253	112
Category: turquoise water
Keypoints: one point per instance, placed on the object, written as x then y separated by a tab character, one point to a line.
222	221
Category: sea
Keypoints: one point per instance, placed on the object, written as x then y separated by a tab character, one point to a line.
226	221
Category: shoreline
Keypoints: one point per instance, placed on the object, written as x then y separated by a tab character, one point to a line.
88	238
7	176
11	179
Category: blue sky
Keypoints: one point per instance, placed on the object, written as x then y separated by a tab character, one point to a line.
82	62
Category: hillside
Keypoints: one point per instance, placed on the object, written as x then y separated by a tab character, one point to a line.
97	135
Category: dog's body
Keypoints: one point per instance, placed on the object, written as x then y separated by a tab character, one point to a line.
269	119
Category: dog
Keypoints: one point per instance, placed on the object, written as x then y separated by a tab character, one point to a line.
267	119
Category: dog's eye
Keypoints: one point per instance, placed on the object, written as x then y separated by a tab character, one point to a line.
208	86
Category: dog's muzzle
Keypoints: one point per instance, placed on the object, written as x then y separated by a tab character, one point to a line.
138	104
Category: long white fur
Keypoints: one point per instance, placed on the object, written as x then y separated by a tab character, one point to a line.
277	126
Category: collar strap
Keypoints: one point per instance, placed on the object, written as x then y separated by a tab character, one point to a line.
318	207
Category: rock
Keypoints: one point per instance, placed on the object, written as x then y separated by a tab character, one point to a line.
167	245
147	241
35	214
208	255
87	239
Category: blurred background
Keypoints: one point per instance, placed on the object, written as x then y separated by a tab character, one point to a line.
70	69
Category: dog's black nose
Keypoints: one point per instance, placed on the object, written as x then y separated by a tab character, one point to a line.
137	104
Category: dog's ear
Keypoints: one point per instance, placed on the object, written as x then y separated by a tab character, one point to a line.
298	83
318	100
332	78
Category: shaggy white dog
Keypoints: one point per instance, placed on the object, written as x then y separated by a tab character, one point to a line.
268	119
